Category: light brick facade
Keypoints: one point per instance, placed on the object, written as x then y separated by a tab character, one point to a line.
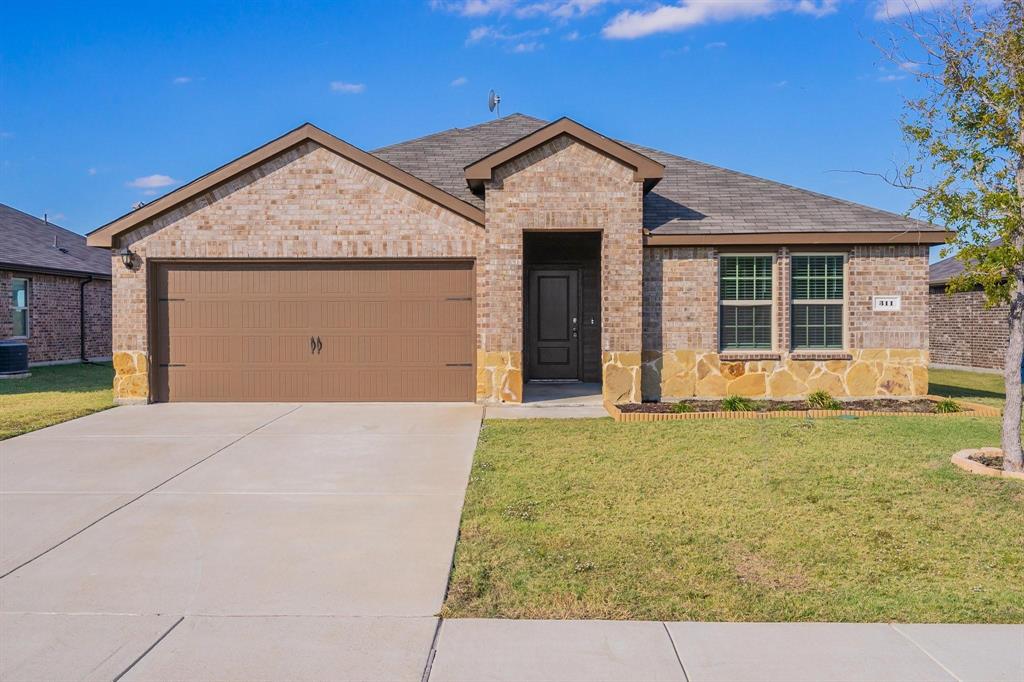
964	332
54	318
659	305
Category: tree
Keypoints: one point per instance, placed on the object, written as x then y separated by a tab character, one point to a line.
968	165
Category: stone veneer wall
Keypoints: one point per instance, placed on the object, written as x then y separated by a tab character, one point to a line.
562	185
964	332
54	316
306	203
887	353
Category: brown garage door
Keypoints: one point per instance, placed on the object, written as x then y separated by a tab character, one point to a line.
332	332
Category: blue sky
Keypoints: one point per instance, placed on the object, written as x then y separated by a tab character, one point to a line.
103	105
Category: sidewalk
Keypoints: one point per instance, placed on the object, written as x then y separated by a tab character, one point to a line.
473	650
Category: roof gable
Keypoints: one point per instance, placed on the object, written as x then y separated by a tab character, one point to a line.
28	243
645	169
105	235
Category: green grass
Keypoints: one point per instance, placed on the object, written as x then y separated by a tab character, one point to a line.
52	395
736	520
977	387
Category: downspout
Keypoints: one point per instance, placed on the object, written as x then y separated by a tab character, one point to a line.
81	316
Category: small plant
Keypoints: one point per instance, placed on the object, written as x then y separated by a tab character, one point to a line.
682	407
737	403
822	400
783	407
948	405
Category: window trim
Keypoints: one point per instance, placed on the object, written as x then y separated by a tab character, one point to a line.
844	302
27	307
774	344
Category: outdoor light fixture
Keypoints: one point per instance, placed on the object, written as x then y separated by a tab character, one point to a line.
126	257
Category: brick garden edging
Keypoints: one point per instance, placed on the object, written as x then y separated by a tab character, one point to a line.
963	460
968	409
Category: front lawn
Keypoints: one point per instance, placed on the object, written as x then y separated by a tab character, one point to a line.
726	520
52	395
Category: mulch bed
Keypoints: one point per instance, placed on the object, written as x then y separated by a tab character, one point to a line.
991	461
919	406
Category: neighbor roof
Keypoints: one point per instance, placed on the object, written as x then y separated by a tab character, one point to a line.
948	268
692	198
28	243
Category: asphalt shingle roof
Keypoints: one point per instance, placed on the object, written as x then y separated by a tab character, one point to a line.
946	269
692	198
28	242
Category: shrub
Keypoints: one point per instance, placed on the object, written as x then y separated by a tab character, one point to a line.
947	405
737	403
682	407
822	400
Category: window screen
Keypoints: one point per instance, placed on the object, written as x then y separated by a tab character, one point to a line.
745	294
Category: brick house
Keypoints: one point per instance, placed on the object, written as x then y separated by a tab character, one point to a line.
963	333
465	264
55	290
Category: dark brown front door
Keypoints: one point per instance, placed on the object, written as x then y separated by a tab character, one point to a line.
382	331
553	342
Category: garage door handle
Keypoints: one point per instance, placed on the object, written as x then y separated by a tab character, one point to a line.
312	345
458	364
319	346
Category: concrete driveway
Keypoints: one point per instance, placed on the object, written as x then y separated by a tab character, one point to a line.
230	541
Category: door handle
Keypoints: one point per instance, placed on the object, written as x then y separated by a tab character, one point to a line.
312	345
319	346
575	329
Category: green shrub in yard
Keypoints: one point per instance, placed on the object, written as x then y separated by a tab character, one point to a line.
737	403
947	405
822	400
682	407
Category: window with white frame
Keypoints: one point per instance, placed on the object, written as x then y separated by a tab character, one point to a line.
817	292
745	302
19	306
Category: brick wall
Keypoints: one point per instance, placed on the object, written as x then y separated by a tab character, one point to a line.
54	316
565	185
306	203
886	352
963	331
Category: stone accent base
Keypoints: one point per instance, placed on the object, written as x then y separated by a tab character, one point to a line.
131	377
870	373
620	372
499	376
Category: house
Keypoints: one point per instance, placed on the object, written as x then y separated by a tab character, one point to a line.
55	290
963	332
460	265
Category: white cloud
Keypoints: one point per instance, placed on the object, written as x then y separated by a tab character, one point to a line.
459	82
92	171
887	9
347	88
572	35
521	9
780	84
689	13
717	45
527	47
6	134
481	33
151	182
890	77
181	80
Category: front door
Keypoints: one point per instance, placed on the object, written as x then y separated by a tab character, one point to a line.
554	336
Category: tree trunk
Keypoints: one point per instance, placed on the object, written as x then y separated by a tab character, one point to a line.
1013	458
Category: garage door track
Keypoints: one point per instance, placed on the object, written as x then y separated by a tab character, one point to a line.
231	541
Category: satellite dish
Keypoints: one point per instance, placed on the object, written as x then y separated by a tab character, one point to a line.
494	101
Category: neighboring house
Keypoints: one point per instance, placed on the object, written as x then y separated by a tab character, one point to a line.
55	290
963	332
457	265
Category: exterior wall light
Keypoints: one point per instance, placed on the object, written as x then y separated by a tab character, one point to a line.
126	257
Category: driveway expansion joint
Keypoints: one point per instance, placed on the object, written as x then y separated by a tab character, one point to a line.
150	648
927	653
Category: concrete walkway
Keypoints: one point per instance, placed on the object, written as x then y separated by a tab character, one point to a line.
230	541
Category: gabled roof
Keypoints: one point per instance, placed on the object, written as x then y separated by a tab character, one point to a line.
645	169
28	243
105	235
694	202
946	269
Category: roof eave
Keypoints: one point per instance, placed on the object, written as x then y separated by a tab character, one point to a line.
920	237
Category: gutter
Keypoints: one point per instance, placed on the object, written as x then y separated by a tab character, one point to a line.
81	317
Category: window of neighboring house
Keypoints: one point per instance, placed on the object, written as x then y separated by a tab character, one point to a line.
817	293
745	299
19	306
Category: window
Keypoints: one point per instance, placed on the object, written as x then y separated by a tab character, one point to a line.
817	292
19	306
745	293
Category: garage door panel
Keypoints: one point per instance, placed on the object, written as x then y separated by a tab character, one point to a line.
388	331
